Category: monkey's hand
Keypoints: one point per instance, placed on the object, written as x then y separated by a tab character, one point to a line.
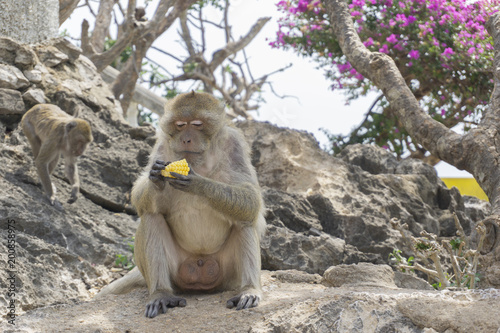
183	183
243	301
163	303
74	194
155	174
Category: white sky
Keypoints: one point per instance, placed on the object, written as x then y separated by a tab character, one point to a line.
316	105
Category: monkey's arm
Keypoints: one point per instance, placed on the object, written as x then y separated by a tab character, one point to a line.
240	201
147	186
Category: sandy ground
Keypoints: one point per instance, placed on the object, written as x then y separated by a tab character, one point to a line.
293	302
203	313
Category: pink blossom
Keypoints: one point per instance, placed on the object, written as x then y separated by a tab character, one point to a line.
448	52
392	39
384	49
414	54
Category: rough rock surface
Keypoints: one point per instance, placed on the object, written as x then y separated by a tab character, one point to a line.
322	211
293	302
346	203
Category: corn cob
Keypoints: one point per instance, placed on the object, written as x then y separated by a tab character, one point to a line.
180	167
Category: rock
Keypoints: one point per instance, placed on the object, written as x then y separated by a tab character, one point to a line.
13	53
50	56
66	47
352	202
12	78
295	276
284	249
409	281
373	159
34	96
290	304
64	249
142	132
362	274
34	75
11	102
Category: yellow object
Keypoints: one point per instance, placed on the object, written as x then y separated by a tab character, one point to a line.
180	167
466	186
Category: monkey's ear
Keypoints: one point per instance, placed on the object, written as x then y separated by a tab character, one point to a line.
222	107
70	125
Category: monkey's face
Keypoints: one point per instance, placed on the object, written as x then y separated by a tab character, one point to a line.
79	148
78	144
188	138
79	136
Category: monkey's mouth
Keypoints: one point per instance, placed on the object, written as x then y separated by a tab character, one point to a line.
190	152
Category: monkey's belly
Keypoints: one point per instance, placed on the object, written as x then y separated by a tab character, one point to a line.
199	230
202	273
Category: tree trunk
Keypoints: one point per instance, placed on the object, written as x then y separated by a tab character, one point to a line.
29	21
66	7
477	151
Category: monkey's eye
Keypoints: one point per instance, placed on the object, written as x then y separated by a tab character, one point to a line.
180	124
197	123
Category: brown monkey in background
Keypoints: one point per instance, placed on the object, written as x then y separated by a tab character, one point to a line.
201	231
52	132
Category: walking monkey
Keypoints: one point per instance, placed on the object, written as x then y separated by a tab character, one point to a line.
201	231
52	132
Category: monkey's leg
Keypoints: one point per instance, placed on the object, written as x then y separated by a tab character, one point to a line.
46	155
71	170
53	164
245	243
33	139
158	258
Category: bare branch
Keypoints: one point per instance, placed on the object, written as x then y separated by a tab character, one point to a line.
159	65
66	8
186	34
227	27
231	48
102	23
166	53
102	60
202	32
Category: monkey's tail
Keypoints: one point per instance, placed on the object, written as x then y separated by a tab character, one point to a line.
132	280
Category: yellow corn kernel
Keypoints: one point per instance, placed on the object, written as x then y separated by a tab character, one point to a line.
180	167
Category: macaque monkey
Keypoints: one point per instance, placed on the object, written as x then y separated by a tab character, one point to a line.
52	132
199	232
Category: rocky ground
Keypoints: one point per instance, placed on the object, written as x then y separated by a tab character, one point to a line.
293	302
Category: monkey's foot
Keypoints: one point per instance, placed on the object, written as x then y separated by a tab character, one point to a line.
243	301
163	303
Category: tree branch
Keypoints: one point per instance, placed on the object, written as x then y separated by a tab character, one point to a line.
233	47
102	60
186	34
493	115
102	23
66	8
